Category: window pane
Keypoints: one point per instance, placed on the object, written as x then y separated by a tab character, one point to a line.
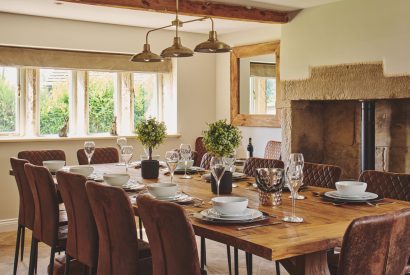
101	101
54	98
8	99
263	95
146	96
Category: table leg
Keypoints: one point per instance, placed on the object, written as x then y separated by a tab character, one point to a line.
203	253
310	264
248	263
235	261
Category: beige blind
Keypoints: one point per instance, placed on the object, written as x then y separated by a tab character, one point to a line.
30	57
263	69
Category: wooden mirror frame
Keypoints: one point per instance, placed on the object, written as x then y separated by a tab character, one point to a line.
237	118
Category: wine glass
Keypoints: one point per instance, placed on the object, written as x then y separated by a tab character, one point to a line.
186	153
294	174
121	141
89	148
126	155
298	159
172	159
217	166
229	161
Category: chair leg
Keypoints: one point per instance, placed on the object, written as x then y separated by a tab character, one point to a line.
51	265
32	255
140	227
23	234
203	253
35	259
235	261
277	268
16	255
91	271
228	254
67	264
248	263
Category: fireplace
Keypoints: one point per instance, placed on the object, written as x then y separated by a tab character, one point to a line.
322	117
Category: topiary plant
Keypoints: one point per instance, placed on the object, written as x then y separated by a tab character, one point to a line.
221	138
150	133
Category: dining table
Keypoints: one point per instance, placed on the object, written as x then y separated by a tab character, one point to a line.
301	248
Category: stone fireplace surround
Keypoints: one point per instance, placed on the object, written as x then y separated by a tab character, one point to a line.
321	117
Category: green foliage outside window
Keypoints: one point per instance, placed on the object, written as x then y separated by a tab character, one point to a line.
101	103
142	101
7	106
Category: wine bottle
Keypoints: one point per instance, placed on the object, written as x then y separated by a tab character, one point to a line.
250	148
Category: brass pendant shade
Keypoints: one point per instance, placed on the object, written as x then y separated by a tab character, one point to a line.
212	45
177	50
146	56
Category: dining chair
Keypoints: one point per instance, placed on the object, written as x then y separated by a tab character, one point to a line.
273	150
37	157
47	227
82	237
376	245
252	164
100	156
387	184
171	237
206	161
321	175
200	149
119	249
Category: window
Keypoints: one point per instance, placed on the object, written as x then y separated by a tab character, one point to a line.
101	89
54	100
9	86
263	95
146	96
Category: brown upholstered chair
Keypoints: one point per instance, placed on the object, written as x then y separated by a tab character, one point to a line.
376	245
120	251
171	237
100	156
37	157
47	215
26	207
82	238
252	164
200	149
321	175
387	184
206	161
273	149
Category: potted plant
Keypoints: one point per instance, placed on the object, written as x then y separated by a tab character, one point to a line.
220	140
150	133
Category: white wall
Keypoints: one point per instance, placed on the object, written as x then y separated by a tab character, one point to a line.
259	135
195	83
348	31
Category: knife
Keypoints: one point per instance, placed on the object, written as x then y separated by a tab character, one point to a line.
256	225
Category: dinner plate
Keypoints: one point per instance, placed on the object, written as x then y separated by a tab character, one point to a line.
179	198
208	219
130	187
250	214
364	197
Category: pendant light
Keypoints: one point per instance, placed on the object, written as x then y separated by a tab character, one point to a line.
146	56
212	45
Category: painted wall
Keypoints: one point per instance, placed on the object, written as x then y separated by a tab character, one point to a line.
195	85
260	135
348	31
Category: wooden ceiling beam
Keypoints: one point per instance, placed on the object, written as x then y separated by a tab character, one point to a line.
195	8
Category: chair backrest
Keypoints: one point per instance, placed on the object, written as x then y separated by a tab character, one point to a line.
252	164
206	161
100	156
387	184
273	149
171	237
200	149
46	218
26	207
82	239
321	175
376	245
37	157
117	233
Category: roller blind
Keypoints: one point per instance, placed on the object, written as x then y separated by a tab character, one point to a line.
263	69
48	58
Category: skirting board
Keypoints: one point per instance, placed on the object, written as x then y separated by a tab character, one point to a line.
8	225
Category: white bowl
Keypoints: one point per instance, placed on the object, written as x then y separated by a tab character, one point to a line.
82	170
116	179
54	165
162	190
348	188
230	205
181	164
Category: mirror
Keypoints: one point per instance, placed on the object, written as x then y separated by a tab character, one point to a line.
255	85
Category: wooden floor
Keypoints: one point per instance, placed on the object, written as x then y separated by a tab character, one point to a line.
216	258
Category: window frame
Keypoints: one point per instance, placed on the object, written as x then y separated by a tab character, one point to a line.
17	105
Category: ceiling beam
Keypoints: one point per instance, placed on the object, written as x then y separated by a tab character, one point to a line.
195	8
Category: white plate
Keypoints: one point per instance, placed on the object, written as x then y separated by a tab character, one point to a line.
365	196
211	214
361	195
133	187
176	198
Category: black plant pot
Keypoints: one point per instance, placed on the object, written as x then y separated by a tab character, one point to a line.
149	169
225	187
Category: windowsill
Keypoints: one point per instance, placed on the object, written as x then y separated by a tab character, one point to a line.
6	139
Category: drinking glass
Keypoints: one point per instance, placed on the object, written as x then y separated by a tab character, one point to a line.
172	159
89	148
126	155
297	158
229	161
186	153
294	174
121	141
217	166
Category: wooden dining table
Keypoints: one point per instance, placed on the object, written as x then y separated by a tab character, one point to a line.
300	247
